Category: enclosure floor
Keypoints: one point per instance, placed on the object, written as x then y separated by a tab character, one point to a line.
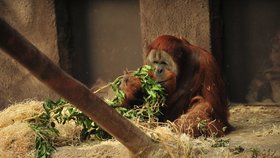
257	131
255	127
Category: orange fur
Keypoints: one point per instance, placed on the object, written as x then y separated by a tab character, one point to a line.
131	86
196	91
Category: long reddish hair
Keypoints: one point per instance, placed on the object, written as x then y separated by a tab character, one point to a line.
206	80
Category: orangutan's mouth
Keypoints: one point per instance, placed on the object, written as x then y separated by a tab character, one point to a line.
164	81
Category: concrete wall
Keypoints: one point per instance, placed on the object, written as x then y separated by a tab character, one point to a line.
36	21
106	38
186	18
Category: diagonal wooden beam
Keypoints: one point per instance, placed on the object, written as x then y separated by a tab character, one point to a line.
19	48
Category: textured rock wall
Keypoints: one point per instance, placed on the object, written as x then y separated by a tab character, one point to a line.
36	21
186	18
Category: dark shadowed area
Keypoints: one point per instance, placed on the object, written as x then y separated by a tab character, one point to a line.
249	27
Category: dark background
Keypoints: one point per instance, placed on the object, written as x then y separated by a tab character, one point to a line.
248	27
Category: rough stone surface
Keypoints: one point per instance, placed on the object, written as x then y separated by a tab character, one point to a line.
182	18
36	21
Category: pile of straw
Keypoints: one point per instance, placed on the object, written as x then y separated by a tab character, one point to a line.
18	140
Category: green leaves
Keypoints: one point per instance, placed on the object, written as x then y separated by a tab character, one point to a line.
153	99
43	148
154	91
60	112
220	143
119	93
236	150
45	129
202	126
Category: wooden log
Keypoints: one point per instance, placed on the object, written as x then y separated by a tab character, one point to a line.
19	48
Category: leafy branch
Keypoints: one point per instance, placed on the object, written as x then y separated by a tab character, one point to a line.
153	99
61	112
